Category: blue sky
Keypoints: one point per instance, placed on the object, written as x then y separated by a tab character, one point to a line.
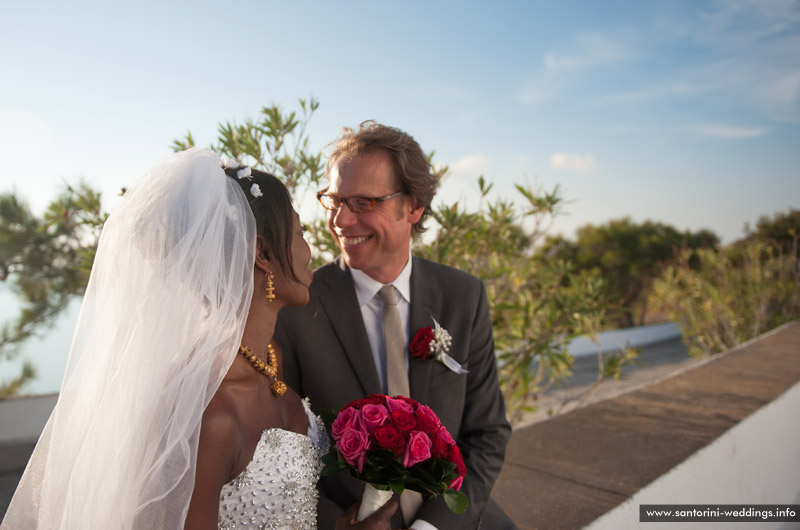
684	112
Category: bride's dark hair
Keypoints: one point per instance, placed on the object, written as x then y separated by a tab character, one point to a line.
273	213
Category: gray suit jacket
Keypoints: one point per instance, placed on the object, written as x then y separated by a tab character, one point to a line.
327	357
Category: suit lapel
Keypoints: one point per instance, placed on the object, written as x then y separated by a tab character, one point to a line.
341	306
425	303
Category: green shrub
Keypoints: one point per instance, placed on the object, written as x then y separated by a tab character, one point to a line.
721	298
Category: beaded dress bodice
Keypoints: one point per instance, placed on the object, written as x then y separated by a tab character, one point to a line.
277	489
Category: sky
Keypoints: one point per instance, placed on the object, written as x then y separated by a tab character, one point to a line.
681	112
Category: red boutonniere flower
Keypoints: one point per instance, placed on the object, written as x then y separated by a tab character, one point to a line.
420	344
434	342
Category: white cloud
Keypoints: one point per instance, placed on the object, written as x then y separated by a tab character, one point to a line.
752	46
538	88
787	89
724	131
578	163
471	118
744	23
587	51
679	89
562	67
741	51
470	166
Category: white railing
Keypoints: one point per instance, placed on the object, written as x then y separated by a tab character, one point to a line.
615	339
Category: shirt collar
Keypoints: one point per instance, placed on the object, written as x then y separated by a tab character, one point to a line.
367	288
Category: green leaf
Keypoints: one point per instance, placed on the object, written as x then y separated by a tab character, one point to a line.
397	485
457	501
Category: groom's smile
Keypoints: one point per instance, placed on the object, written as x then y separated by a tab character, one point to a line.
353	241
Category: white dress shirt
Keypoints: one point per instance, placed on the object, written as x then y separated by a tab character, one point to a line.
372	312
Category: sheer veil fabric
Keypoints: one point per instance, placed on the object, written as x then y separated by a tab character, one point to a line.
160	324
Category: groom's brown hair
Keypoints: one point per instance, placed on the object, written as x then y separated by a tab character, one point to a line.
412	170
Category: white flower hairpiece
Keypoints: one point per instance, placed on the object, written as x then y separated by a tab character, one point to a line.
225	162
232	213
243	172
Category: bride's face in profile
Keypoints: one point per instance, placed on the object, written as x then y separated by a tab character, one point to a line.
294	291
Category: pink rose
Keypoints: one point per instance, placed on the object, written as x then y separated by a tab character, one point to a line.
444	434
457	482
427	420
353	446
403	420
443	443
348	418
418	449
408	400
394	404
373	416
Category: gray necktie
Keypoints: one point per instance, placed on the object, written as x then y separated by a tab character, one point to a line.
396	374
397	378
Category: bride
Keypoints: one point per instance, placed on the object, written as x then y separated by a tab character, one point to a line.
172	413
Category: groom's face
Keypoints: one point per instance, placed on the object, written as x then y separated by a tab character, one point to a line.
376	242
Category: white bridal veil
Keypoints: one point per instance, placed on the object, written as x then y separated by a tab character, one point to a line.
160	324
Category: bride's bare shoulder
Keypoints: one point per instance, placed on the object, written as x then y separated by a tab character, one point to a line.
218	454
221	427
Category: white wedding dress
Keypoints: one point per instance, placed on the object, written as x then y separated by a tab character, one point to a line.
277	489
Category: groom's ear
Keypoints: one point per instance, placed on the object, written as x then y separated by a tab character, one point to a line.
263	255
415	213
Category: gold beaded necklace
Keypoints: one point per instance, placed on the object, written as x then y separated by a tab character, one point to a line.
269	368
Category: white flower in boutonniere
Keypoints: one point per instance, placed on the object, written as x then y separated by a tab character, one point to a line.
434	342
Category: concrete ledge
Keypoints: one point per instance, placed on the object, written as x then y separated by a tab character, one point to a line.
568	471
743	466
22	419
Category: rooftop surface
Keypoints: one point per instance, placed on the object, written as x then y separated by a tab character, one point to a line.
566	472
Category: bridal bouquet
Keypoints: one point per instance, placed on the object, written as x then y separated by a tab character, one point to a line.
394	443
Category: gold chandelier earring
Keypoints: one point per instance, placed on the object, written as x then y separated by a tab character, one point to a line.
270	287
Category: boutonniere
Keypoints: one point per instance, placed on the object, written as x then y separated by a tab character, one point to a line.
434	342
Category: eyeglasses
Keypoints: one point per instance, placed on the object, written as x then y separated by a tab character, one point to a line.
356	204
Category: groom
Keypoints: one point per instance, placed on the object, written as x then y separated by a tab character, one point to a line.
335	348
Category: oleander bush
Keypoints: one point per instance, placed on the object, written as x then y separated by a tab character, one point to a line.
725	296
537	306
